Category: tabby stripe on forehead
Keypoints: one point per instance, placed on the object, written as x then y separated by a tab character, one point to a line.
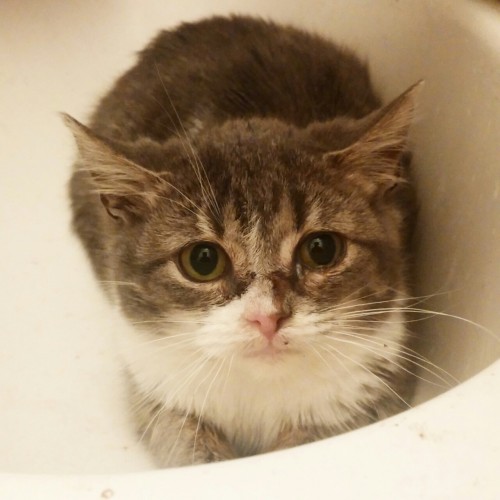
240	206
298	201
277	196
217	227
268	206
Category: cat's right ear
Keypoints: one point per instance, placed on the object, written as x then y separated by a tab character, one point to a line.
127	190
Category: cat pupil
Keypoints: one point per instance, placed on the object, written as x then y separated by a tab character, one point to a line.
322	249
204	259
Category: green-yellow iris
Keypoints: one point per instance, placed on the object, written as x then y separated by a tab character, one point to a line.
203	261
321	250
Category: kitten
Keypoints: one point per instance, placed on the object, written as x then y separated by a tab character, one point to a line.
247	196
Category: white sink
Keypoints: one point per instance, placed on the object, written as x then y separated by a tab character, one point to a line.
64	429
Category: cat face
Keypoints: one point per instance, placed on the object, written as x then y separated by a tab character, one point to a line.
247	260
256	240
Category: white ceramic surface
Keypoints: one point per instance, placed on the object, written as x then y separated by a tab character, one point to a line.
62	410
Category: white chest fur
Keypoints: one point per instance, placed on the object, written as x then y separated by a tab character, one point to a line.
252	398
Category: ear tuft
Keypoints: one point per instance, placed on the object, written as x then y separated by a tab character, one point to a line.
126	189
377	158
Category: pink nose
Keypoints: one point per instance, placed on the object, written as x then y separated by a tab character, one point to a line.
268	324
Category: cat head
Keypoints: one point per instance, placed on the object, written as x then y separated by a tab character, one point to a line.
256	238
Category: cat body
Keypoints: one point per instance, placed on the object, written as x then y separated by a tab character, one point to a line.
246	200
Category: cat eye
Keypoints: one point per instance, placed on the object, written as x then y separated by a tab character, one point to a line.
320	250
203	261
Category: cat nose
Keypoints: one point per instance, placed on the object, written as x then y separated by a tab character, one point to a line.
268	324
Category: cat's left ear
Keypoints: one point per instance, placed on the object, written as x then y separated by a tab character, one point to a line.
376	160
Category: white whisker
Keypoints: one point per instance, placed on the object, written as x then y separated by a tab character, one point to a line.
380	353
197	367
381	311
174	446
404	352
220	365
165	321
120	283
197	165
228	373
383	382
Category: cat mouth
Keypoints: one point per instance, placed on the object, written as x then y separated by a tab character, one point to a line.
269	351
